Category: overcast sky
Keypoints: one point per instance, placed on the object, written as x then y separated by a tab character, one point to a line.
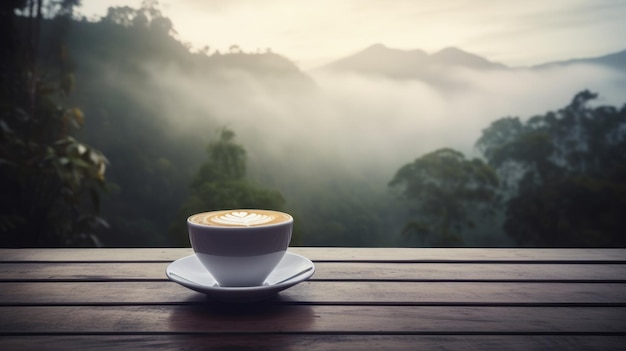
314	32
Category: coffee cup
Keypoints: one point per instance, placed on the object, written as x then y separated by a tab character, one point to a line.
240	247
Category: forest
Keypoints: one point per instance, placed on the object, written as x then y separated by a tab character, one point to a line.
113	132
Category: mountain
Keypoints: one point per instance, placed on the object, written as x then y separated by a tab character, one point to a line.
455	57
379	60
413	64
616	61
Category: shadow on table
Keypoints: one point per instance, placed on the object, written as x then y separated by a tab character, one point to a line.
268	324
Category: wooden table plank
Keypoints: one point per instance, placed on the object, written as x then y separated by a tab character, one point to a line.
313	343
302	319
333	254
323	293
362	298
331	271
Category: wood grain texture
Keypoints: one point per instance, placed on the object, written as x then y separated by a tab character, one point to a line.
358	299
312	342
331	271
332	254
322	293
286	319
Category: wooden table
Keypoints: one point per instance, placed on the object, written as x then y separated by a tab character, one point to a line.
361	299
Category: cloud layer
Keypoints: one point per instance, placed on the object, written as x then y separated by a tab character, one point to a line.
355	124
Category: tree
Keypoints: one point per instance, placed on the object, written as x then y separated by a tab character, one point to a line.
565	174
50	181
444	190
221	183
148	16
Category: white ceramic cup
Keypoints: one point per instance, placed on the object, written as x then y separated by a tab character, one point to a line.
240	247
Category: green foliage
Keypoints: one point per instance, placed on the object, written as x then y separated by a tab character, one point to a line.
577	211
147	17
221	183
139	125
343	212
565	174
444	190
50	181
227	161
151	165
155	148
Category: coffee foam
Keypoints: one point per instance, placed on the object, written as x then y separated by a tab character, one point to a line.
240	218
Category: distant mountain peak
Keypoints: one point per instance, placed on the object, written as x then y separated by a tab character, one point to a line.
381	60
380	49
452	53
450	50
454	56
377	46
616	60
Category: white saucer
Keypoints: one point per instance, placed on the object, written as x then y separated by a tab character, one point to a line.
190	273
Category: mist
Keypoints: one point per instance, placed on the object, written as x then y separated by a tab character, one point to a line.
364	126
330	142
321	144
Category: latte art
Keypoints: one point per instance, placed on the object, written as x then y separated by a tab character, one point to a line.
240	218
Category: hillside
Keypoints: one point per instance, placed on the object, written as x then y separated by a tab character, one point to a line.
130	84
438	69
615	61
412	64
329	143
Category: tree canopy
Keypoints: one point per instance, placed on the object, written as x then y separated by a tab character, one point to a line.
120	85
50	181
565	174
221	183
444	191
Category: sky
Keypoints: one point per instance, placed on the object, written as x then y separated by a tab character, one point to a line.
313	33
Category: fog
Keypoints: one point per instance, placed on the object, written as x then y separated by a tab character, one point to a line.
321	144
364	126
328	141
